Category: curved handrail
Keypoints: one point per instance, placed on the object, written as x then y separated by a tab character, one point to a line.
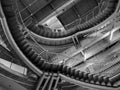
68	39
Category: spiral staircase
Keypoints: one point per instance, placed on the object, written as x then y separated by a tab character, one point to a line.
86	56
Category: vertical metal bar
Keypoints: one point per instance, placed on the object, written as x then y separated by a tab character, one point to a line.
45	85
51	82
40	82
57	80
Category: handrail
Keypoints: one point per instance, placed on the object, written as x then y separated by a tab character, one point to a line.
14	45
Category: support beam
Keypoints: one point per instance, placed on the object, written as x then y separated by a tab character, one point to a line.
48	82
75	41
